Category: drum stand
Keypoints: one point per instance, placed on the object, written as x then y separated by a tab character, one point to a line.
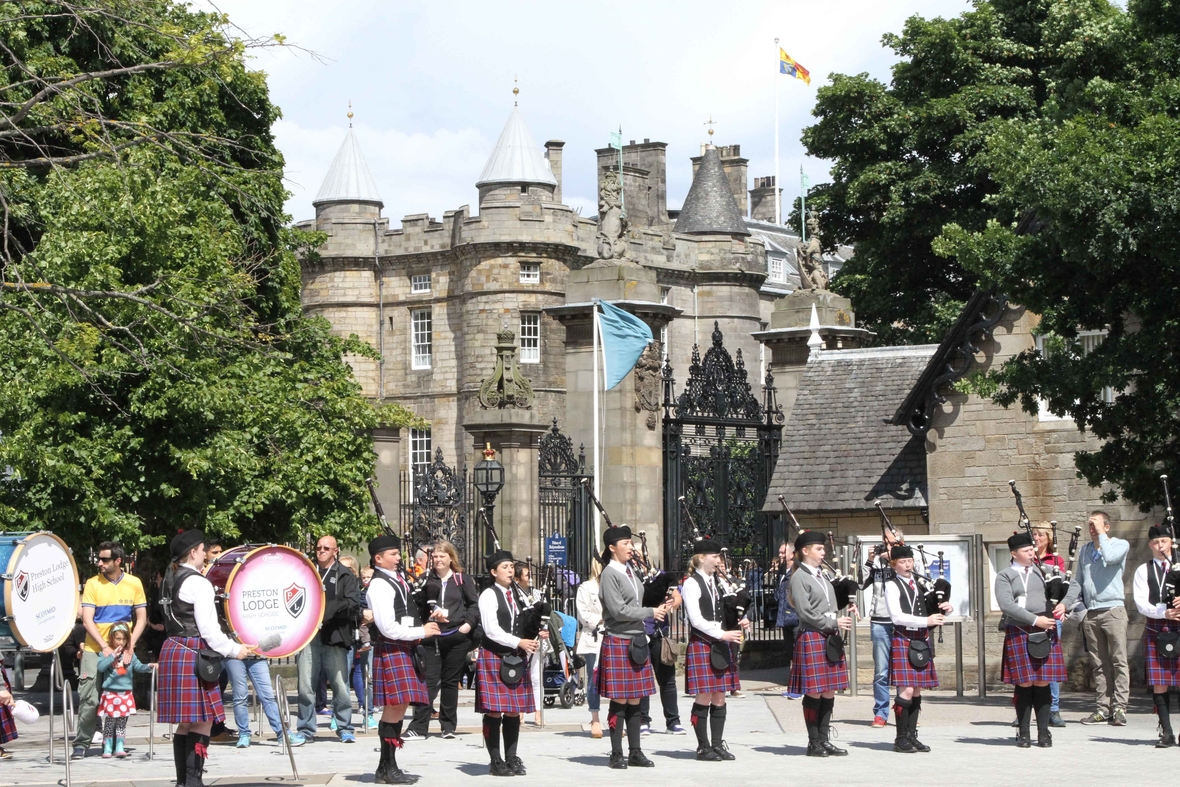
284	715
151	755
56	682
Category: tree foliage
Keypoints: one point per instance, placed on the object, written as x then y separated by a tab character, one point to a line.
156	371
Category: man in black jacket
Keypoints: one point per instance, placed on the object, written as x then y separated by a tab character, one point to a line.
329	649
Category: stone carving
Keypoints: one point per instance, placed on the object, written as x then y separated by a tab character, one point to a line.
612	224
507	387
648	382
809	258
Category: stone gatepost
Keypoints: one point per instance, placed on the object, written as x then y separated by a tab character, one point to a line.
387	445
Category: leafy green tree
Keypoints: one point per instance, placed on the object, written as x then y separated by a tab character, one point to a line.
156	370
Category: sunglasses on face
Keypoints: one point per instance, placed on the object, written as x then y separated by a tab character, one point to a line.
324	549
102	559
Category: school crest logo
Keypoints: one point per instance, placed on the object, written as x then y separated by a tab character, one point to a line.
23	585
294	599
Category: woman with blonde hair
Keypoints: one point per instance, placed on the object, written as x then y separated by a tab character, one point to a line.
588	606
1047	554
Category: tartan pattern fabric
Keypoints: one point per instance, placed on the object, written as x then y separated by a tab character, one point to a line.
811	672
395	681
1161	671
117	704
699	675
901	672
618	677
183	697
492	695
7	723
1019	668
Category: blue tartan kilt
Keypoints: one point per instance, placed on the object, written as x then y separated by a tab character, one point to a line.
1018	668
395	681
699	675
618	677
183	697
904	674
1161	671
811	672
492	695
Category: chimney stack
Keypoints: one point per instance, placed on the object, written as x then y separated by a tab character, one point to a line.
553	155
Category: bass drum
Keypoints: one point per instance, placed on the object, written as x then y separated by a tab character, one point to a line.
270	596
40	600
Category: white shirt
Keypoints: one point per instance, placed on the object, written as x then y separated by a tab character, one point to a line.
489	607
893	604
588	605
381	599
198	591
691	592
1142	592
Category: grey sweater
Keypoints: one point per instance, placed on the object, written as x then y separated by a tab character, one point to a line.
623	612
814	600
1009	590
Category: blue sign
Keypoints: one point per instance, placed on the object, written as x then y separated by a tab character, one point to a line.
555	550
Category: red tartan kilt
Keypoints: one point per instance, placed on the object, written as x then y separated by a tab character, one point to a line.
699	675
811	672
492	695
7	725
183	697
902	673
117	704
395	681
1019	668
618	677
1161	671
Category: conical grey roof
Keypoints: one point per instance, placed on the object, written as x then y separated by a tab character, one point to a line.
349	179
710	208
516	157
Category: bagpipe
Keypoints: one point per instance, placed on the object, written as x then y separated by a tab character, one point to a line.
417	584
845	585
1056	580
735	596
1171	586
936	590
534	614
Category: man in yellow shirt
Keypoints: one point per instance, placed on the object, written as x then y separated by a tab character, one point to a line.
111	596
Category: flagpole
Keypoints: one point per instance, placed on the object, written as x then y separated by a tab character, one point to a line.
597	467
778	208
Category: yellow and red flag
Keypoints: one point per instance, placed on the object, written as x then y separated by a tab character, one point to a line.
788	66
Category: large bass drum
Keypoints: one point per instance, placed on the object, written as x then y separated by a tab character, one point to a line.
40	600
270	596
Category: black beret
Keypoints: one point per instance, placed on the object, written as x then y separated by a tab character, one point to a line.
184	542
707	546
809	537
898	551
1157	531
1018	540
384	542
496	558
615	534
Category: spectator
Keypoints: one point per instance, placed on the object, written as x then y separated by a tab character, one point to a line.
1098	583
213	550
1047	554
329	649
256	669
880	624
111	596
589	608
665	674
118	700
362	661
524	578
785	617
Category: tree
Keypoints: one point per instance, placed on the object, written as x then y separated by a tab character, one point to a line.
909	158
1086	236
156	370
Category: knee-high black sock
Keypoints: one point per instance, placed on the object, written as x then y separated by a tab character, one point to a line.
826	704
197	752
634	725
811	717
915	709
717	723
511	735
491	734
1042	701
1163	710
1023	696
902	708
391	736
179	756
698	718
616	720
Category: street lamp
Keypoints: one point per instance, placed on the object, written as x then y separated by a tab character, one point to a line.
489	479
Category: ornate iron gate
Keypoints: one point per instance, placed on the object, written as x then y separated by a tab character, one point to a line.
565	504
440	506
720	447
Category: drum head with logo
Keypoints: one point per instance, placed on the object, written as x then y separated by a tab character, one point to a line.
272	598
41	598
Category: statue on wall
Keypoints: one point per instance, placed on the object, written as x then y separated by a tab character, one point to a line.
809	258
612	224
648	383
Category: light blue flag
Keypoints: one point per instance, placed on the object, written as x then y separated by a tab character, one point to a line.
624	337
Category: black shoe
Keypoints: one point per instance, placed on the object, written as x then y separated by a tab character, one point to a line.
1023	742
903	745
708	754
814	749
499	767
1044	739
516	766
832	749
1166	741
917	744
723	751
398	776
639	761
618	761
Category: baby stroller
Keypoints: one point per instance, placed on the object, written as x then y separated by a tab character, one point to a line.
560	674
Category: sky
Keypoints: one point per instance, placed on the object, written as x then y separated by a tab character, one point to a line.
431	84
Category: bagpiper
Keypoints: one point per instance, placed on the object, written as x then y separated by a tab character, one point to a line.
1161	635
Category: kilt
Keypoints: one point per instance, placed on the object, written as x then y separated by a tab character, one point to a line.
395	681
811	672
7	725
117	704
618	677
901	672
699	675
1161	671
183	697
492	695
1019	668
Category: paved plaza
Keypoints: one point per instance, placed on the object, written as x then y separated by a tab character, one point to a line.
971	740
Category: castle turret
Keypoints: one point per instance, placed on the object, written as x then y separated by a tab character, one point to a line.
709	208
516	171
348	190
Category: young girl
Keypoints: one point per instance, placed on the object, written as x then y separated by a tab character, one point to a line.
118	701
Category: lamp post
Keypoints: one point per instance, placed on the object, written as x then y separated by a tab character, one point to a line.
488	478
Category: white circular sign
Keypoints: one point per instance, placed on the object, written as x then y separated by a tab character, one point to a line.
41	595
